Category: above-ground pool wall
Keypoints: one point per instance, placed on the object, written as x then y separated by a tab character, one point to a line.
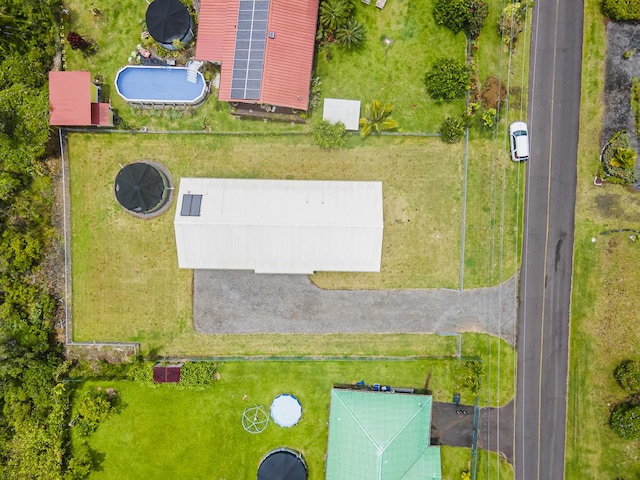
153	86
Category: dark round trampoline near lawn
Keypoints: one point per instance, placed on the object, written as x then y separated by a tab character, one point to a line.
283	464
142	189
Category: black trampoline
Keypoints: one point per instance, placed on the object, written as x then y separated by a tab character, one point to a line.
283	464
169	20
142	188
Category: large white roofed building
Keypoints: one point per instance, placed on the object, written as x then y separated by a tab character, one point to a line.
279	226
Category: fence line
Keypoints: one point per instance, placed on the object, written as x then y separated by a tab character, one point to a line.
146	131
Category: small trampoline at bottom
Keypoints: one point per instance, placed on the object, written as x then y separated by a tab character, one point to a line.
283	464
286	410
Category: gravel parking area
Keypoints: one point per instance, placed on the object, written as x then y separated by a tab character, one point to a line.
238	302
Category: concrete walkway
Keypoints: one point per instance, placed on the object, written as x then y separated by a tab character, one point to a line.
237	302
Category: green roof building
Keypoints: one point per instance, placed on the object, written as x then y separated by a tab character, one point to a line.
385	436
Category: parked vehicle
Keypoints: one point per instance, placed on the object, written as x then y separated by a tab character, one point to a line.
519	141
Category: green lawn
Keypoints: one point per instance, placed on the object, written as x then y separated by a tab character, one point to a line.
126	284
396	77
119	259
198	434
605	297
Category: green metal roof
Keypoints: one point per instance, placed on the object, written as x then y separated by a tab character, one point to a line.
374	435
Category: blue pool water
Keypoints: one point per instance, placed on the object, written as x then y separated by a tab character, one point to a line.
159	85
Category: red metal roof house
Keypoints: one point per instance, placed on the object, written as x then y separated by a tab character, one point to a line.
265	49
74	101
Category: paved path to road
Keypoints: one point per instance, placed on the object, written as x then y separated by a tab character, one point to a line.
495	428
236	302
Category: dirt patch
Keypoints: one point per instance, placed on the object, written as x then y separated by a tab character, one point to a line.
515	98
607	204
493	93
94	354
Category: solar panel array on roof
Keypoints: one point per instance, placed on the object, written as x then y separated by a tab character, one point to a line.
191	205
251	37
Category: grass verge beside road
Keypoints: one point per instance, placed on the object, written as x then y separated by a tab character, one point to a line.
605	297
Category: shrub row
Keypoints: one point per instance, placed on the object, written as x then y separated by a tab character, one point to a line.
625	418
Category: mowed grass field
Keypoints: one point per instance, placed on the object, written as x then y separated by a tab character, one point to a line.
605	302
125	270
198	434
125	277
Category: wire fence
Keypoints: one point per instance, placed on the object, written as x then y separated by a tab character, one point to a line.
240	133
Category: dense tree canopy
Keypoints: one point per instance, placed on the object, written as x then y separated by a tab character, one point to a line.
33	404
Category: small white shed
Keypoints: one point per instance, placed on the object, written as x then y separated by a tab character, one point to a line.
279	226
339	110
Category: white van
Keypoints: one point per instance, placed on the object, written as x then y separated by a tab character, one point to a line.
519	141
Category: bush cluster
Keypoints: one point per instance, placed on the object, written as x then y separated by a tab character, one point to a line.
625	418
618	160
93	409
328	135
77	42
625	421
635	101
451	130
621	9
511	22
447	79
198	375
193	375
461	15
628	376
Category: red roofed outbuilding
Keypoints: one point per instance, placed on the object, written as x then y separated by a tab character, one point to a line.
74	101
265	48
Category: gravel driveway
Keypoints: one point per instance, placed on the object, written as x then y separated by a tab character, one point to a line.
238	302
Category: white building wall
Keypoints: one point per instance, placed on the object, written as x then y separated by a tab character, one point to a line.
281	226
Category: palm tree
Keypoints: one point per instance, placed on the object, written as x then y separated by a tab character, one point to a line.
335	13
376	118
351	35
624	158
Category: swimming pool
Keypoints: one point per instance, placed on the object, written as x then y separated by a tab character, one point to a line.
149	85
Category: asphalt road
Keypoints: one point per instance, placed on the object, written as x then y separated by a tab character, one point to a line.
545	285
